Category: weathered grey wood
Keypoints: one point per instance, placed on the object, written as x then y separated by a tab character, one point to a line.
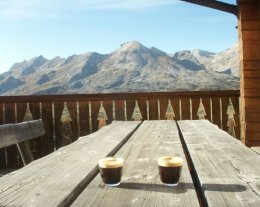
140	185
15	133
256	149
55	180
19	134
25	152
227	171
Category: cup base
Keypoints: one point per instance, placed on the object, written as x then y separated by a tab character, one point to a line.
171	184
113	185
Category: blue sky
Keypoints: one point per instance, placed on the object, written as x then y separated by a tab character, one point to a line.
62	28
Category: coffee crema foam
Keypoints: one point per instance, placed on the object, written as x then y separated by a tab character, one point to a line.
111	162
170	161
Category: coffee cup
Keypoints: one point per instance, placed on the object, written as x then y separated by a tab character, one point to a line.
170	170
110	169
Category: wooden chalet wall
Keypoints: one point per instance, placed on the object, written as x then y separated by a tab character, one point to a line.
249	42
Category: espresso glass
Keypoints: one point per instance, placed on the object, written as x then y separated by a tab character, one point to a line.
170	170
110	169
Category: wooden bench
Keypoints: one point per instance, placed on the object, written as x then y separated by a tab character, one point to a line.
19	134
226	171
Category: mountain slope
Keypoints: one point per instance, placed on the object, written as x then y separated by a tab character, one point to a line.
131	68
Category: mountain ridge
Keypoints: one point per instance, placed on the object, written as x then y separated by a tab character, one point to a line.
131	68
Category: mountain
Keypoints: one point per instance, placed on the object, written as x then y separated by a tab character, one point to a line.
131	68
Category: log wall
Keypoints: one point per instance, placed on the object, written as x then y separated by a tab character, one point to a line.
249	42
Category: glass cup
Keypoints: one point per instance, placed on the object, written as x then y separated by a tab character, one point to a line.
170	170
110	169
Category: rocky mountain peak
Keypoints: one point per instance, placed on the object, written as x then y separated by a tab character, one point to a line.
202	53
133	46
40	60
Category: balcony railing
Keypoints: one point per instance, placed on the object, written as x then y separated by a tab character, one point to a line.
66	117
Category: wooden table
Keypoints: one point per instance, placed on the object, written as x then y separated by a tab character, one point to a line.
218	170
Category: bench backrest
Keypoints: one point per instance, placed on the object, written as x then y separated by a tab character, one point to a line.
18	134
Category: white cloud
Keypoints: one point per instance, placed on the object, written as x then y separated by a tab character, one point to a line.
48	8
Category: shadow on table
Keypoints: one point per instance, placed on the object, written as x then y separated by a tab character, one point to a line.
182	187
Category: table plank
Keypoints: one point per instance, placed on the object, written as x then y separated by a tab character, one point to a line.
227	171
256	149
140	184
58	178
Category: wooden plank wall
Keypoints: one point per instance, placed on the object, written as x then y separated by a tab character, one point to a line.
249	41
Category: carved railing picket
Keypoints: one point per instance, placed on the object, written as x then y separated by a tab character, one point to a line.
231	124
102	116
201	111
137	116
170	115
28	114
66	130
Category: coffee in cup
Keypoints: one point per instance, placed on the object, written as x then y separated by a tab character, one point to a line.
170	170
110	169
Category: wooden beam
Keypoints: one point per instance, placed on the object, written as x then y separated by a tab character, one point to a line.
222	6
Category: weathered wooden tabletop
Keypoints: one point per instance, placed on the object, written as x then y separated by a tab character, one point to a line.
218	170
227	173
141	185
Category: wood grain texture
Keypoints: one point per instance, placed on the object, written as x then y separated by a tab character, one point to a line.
15	133
47	141
216	111
2	151
227	171
115	96
95	106
207	106
56	179
84	118
224	105
19	134
58	108
256	149
12	152
36	143
130	105
140	184
195	107
235	102
120	110
163	108
185	109
142	103
25	152
72	107
108	105
153	109
176	108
